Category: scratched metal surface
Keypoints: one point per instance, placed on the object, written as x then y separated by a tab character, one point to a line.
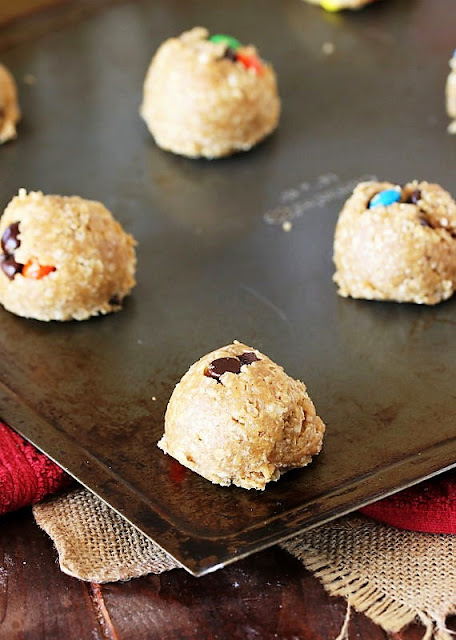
214	265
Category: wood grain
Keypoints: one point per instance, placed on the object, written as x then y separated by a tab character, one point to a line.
36	599
268	596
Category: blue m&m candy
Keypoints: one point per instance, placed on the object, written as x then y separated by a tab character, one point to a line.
384	198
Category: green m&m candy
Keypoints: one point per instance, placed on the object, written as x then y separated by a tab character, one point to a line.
228	40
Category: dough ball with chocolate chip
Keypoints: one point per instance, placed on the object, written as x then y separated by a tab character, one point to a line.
397	243
9	109
237	418
63	258
209	96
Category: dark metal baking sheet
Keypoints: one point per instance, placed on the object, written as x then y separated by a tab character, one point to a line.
216	265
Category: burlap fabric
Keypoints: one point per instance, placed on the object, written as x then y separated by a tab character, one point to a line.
94	543
393	576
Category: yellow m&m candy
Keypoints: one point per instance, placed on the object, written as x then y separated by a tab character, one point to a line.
330	5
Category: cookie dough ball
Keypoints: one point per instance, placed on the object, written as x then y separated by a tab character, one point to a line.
63	258
237	417
451	94
338	5
209	97
9	109
397	243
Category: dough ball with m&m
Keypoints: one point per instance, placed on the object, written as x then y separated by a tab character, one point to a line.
397	243
209	96
9	109
63	258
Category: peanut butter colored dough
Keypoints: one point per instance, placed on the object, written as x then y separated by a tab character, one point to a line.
93	257
200	103
451	95
9	109
405	251
247	428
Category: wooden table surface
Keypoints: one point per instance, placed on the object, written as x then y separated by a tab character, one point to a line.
267	596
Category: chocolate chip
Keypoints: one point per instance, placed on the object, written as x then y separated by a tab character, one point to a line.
223	365
414	197
248	357
10	241
115	301
230	53
9	266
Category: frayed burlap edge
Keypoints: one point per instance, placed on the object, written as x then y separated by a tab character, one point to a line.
94	543
395	577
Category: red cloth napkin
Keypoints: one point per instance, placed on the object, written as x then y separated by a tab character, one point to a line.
429	507
27	476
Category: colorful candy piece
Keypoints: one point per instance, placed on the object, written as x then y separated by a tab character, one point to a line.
250	61
385	198
224	39
330	5
339	5
235	54
32	269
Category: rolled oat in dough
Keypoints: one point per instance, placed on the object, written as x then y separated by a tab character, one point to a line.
204	98
63	258
237	418
403	251
9	109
